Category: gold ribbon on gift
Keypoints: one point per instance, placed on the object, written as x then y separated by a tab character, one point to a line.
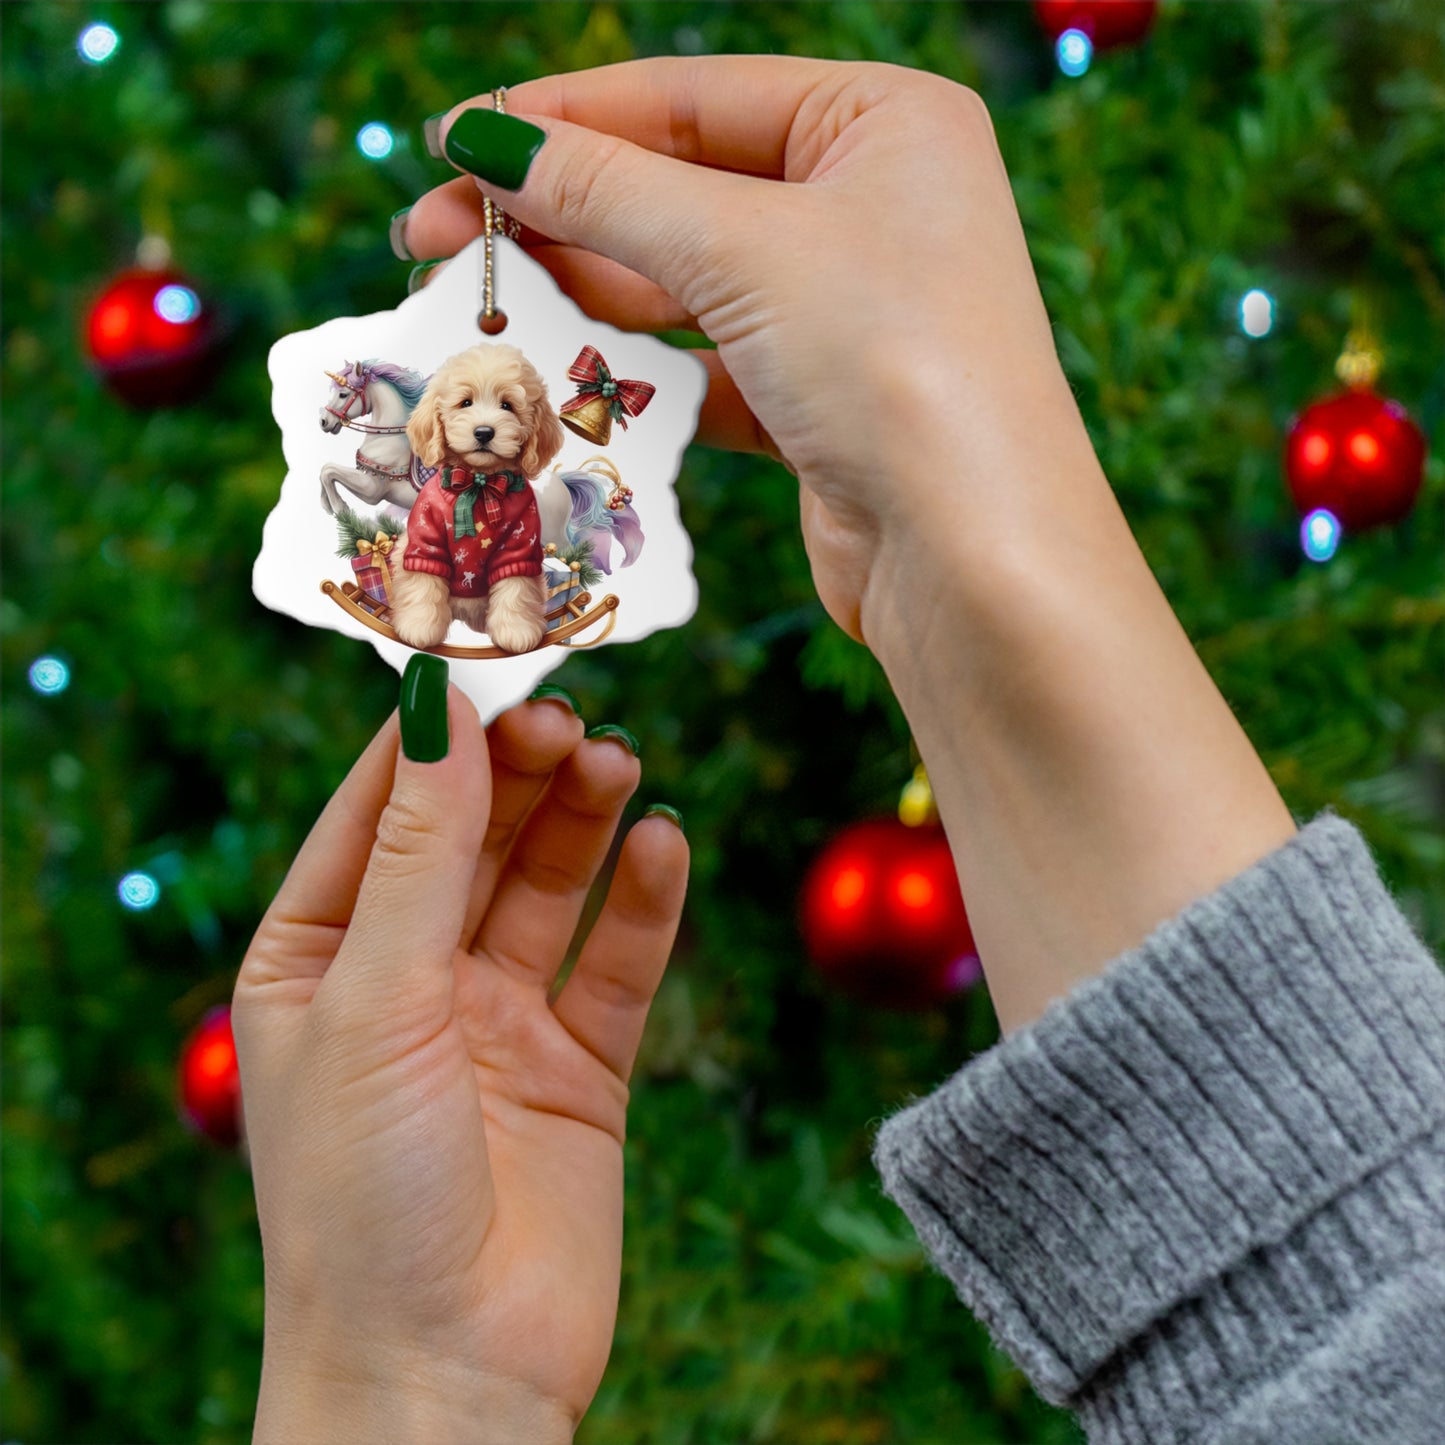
381	547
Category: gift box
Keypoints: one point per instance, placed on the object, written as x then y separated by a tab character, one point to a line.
373	570
563	586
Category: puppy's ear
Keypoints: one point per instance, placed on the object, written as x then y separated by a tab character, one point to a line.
424	430
546	438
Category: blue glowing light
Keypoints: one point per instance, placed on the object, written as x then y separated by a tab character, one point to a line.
375	141
138	891
97	44
1256	313
49	675
1319	535
177	304
1074	51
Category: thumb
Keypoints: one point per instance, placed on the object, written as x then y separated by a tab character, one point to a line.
663	218
395	964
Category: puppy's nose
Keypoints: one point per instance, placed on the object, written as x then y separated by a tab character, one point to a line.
484	434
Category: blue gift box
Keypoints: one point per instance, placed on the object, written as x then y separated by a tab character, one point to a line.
562	586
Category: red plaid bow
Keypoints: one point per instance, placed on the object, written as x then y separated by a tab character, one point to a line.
594	379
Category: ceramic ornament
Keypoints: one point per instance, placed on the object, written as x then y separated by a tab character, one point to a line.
469	495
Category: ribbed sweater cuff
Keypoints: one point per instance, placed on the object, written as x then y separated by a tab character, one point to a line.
1215	1106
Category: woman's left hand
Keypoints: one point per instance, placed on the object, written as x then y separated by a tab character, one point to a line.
437	1145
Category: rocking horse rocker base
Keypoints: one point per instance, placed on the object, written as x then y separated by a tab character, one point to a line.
352	599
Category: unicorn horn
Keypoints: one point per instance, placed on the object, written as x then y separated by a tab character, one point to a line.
339	380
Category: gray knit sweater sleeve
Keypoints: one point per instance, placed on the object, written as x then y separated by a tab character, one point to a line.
1202	1199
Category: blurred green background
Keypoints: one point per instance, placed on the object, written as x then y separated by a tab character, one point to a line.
770	1292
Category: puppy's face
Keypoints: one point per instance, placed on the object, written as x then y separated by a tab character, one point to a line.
487	407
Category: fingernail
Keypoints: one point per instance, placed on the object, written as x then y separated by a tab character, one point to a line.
612	730
396	232
431	133
498	148
662	810
550	689
424	736
417	279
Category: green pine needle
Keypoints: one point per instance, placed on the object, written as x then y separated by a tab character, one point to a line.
352	527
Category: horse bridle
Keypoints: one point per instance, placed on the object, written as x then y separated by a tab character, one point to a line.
358	393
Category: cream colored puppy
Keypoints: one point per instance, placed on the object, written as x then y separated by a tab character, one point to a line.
472	548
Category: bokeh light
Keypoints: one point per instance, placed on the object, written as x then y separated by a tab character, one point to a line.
375	141
138	891
97	44
1319	535
49	675
1075	51
177	304
1256	313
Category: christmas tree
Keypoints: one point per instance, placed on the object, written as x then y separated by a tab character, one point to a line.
168	742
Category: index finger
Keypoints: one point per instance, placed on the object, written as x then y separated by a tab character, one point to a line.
745	113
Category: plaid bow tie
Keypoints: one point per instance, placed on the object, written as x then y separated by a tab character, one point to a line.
491	486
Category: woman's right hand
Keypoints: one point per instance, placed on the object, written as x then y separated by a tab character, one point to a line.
847	236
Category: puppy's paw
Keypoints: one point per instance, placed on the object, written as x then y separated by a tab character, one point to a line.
517	613
420	614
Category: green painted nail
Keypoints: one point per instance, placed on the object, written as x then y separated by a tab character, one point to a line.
662	810
396	233
550	689
418	275
431	133
498	148
424	735
612	730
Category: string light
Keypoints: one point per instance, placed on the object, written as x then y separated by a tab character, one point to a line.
1256	313
375	141
49	675
97	44
1074	51
1319	535
138	891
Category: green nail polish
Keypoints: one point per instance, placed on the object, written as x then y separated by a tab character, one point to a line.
396	233
662	810
431	133
418	275
612	730
550	689
424	735
498	148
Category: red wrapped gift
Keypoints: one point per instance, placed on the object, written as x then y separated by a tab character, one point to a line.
373	565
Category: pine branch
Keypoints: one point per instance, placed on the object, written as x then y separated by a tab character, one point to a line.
352	527
588	573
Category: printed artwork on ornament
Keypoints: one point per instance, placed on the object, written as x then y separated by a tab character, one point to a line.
475	486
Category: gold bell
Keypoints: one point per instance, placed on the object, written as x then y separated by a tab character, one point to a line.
592	420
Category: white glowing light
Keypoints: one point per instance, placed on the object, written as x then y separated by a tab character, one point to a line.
1319	535
1074	51
1256	313
177	304
97	44
375	141
138	891
49	675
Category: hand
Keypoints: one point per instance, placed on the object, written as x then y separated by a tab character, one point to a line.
877	319
848	237
437	1150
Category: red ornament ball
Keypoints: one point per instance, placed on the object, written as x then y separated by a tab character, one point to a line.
1357	455
210	1080
151	337
883	917
1107	23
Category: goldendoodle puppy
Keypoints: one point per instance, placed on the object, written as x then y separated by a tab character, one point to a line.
472	548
